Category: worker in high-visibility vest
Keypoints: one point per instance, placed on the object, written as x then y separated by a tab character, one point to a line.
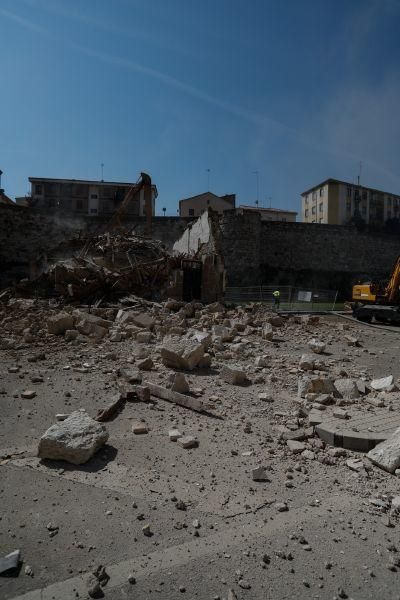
277	299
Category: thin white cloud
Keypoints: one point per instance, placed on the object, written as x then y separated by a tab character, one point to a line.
187	88
326	140
23	22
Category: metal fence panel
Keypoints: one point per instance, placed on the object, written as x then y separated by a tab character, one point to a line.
291	298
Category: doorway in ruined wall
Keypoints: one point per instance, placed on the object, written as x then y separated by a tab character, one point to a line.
191	289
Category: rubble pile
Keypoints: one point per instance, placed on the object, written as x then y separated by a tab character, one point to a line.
109	265
214	412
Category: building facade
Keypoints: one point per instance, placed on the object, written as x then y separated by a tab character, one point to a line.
196	205
335	202
270	214
83	197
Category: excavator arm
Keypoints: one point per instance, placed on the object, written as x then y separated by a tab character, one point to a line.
393	287
143	183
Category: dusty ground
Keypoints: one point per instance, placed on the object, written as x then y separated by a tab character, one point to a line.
333	541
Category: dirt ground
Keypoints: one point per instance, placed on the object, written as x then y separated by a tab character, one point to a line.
316	529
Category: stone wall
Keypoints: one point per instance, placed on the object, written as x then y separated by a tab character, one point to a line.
27	235
255	252
325	256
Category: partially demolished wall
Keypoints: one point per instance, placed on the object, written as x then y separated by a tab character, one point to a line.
28	237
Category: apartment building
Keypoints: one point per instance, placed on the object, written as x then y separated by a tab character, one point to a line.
337	202
85	197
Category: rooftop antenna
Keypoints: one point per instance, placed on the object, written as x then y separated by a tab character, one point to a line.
102	171
257	183
359	174
1	173
208	179
269	201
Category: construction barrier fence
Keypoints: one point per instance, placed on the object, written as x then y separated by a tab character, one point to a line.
291	298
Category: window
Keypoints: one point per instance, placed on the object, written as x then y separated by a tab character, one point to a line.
38	190
321	220
321	192
349	191
51	202
389	201
306	212
313	210
314	196
348	204
364	195
364	211
94	196
389	214
191	212
306	199
321	207
79	204
93	211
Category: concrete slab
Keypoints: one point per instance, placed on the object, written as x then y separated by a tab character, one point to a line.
361	431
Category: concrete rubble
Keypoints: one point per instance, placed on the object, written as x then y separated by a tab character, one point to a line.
216	429
75	439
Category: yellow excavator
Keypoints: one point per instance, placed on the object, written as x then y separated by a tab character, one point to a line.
378	300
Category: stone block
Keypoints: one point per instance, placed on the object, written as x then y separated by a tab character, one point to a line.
316	346
75	440
139	428
259	474
295	447
187	442
386	455
180	384
267	332
143	337
59	323
307	362
233	375
382	384
174	435
346	388
181	353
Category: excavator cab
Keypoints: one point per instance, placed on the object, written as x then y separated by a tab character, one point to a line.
380	301
364	293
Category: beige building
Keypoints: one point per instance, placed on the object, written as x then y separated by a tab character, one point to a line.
270	214
337	202
86	197
196	205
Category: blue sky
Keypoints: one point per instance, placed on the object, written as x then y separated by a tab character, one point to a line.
298	90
